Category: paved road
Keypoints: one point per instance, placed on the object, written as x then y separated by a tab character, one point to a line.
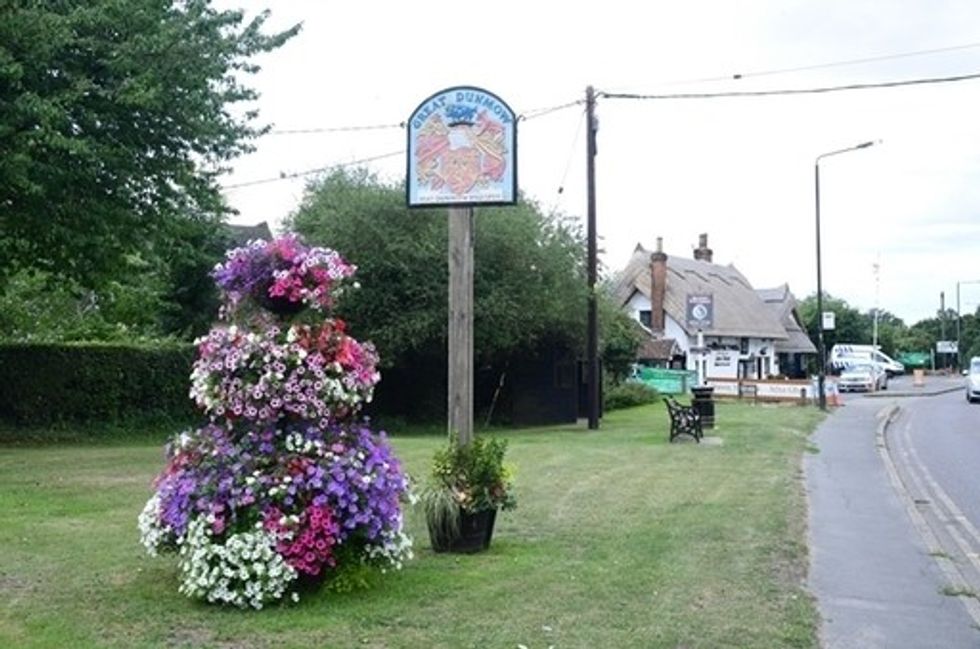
934	445
879	578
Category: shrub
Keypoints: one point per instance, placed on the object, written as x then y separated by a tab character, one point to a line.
42	383
629	394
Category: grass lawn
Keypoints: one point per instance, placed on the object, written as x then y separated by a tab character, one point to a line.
620	540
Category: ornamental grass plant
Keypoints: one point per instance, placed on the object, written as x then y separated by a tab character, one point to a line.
465	479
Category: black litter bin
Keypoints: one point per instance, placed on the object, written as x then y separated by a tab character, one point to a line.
704	405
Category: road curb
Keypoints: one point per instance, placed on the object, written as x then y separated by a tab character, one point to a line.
948	567
931	393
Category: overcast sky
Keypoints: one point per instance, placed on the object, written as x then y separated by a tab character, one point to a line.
739	169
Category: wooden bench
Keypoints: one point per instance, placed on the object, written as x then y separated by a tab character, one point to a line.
684	420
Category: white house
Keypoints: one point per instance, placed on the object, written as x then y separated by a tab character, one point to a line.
738	341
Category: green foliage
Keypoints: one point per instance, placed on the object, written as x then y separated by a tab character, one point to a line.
619	338
44	383
472	475
37	307
528	280
114	122
850	325
186	258
628	394
894	336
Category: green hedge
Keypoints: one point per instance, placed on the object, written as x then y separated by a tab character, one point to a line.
47	383
629	394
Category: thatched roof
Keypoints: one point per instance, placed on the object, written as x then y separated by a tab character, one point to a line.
738	310
782	303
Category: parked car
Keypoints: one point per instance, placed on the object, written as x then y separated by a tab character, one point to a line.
866	377
973	380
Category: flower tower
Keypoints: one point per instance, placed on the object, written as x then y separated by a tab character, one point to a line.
284	487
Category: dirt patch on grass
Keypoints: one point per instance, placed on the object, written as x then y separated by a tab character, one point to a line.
194	637
12	586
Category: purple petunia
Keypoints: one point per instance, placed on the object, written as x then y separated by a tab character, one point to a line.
283	472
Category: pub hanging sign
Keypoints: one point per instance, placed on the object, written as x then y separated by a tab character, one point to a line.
700	311
462	150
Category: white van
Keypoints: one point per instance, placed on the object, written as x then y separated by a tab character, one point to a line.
843	355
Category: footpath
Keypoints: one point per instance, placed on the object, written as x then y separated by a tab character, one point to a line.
876	584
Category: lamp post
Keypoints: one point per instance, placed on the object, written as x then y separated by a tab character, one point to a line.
874	333
821	378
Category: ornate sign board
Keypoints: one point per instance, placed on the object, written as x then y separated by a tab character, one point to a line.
700	311
462	150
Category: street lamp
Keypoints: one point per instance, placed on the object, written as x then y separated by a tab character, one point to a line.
821	378
874	332
959	354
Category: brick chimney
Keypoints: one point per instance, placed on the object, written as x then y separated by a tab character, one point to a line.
658	286
703	252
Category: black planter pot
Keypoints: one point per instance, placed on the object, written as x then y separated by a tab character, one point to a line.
474	534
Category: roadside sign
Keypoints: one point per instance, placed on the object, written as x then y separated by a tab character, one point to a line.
829	320
946	347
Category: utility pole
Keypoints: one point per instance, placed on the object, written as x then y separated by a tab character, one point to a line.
959	359
592	350
942	322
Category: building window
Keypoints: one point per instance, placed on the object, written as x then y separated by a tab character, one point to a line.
646	318
743	345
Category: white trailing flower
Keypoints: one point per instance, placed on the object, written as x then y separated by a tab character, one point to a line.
243	570
153	534
392	550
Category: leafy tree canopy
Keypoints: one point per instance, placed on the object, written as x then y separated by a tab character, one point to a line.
114	122
529	281
894	336
850	325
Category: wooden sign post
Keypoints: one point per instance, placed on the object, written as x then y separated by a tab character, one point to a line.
461	322
462	151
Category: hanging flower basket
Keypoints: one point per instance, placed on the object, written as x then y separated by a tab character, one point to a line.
284	488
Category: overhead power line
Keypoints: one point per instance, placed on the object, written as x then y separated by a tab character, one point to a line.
309	172
541	112
335	129
790	91
534	113
527	115
868	59
819	66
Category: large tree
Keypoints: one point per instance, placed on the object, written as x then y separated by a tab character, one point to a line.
115	118
850	326
529	284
